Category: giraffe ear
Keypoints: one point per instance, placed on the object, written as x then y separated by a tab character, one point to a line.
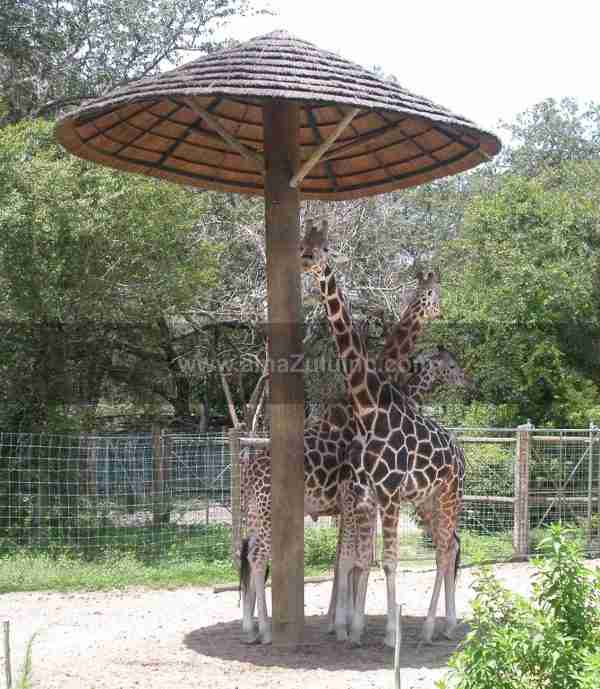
420	276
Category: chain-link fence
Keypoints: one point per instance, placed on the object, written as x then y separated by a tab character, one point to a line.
160	493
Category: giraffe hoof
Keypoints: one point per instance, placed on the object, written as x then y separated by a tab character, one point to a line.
390	639
427	634
251	639
356	639
249	629
266	639
450	632
341	634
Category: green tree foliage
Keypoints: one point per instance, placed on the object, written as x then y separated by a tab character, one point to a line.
56	53
551	133
521	298
550	641
94	261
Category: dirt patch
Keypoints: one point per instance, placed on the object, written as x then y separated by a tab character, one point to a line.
192	638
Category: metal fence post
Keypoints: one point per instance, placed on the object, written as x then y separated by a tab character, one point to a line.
590	482
160	512
236	495
597	486
89	466
168	461
521	503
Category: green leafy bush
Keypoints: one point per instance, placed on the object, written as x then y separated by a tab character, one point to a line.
320	546
550	642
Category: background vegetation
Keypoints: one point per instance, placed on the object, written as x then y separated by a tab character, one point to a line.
549	641
122	295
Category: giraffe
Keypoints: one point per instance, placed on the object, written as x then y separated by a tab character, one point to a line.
431	369
404	456
330	488
325	445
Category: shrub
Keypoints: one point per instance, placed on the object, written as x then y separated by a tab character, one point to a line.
549	642
320	546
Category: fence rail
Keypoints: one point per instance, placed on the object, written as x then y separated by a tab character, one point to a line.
160	493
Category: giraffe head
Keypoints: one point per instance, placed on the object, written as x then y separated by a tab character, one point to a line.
314	248
445	367
427	297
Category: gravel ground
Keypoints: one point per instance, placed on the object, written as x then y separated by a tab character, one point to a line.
191	638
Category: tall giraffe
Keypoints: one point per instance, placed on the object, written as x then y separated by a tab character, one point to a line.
431	369
405	456
330	485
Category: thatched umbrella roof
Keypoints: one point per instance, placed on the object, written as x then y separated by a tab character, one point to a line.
172	125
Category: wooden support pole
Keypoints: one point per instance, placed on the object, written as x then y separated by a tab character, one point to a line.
323	148
281	121
236	496
521	504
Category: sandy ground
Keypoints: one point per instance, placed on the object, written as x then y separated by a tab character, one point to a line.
191	638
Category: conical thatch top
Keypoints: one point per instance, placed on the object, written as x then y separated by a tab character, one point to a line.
172	126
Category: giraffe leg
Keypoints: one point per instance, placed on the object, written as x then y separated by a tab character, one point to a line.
357	625
333	600
264	625
449	593
429	624
249	600
389	520
443	525
336	575
366	529
254	591
247	587
352	583
342	598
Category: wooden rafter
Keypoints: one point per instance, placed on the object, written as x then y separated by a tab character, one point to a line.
306	167
247	153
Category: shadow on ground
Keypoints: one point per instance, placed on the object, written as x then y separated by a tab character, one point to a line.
321	651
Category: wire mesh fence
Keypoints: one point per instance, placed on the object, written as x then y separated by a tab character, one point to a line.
160	493
152	493
564	481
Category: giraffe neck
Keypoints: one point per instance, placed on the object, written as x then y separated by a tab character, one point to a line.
422	382
359	375
339	415
400	341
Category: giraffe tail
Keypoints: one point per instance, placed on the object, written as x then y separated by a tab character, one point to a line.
244	568
457	558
